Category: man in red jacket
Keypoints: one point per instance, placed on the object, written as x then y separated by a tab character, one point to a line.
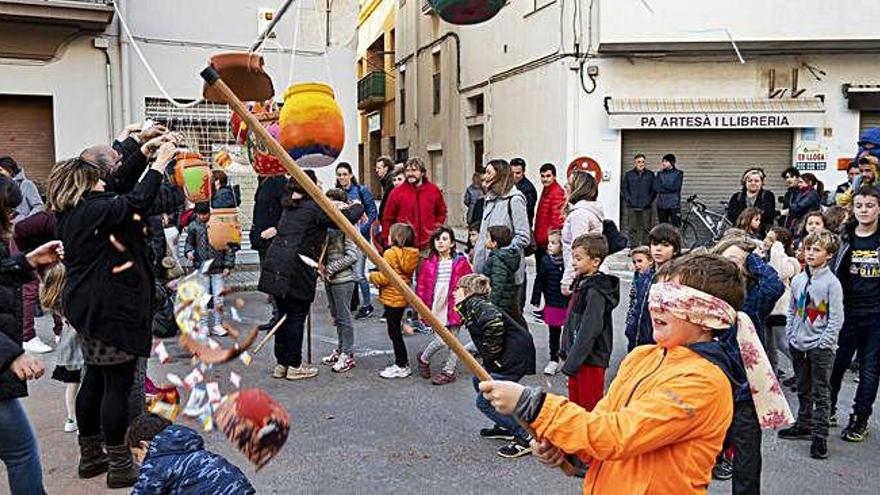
548	216
416	202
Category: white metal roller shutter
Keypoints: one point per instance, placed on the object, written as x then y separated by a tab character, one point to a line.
713	160
868	120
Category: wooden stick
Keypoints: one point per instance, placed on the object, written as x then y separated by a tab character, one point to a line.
309	337
269	335
212	78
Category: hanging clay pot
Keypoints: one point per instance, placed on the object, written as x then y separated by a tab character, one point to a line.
224	228
180	159
466	11
312	130
263	161
195	179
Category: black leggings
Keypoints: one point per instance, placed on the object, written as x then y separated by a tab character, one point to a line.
393	316
555	333
102	401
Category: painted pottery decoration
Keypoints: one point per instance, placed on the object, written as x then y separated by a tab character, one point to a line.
263	161
224	228
466	11
255	424
244	74
196	180
312	130
180	159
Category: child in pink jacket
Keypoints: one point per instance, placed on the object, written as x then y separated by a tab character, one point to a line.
435	285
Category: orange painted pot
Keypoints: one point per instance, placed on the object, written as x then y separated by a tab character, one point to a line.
311	126
195	179
224	228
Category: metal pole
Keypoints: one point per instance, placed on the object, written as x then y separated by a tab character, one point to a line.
278	15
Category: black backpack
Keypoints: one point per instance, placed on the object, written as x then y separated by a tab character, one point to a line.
616	240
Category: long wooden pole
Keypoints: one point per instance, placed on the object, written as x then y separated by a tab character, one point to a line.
213	79
312	189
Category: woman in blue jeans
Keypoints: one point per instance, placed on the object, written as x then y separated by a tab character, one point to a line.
18	447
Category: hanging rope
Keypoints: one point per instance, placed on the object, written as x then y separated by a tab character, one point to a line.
147	66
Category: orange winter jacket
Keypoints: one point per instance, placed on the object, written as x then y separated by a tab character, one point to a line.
657	430
404	261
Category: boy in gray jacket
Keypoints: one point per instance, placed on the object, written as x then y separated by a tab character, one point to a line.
337	271
815	317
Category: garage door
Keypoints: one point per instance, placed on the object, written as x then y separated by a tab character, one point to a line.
28	133
713	160
868	120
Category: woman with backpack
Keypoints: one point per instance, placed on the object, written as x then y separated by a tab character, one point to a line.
346	181
504	205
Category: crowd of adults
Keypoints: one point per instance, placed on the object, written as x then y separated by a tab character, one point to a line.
643	191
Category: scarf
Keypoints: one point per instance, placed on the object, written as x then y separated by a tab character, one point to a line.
708	311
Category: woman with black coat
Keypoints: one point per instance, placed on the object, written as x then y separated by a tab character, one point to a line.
290	280
754	195
18	447
109	291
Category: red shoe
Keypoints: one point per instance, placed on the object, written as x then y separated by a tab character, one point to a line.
443	379
424	368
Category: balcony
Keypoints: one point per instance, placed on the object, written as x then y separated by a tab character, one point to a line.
36	29
371	91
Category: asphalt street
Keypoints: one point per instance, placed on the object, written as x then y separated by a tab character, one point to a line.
358	433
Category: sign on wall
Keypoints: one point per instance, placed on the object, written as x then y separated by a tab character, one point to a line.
810	156
781	120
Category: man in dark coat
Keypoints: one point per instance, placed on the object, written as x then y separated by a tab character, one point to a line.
525	186
638	196
668	188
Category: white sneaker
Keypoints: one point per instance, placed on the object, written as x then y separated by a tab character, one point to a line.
395	371
552	368
70	425
331	359
36	346
344	363
219	331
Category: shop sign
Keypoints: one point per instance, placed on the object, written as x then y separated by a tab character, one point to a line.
810	156
374	122
737	120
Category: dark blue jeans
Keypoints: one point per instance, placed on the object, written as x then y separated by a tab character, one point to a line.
859	333
507	422
18	450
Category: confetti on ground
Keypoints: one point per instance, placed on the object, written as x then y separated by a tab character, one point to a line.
234	314
235	378
196	403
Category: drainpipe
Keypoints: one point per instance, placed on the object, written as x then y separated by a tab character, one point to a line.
124	66
103	45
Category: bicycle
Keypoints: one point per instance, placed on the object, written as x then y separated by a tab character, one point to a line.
711	226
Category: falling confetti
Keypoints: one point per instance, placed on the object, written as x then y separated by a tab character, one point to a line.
194	378
116	244
235	378
123	267
162	353
213	389
245	358
174	380
239	303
